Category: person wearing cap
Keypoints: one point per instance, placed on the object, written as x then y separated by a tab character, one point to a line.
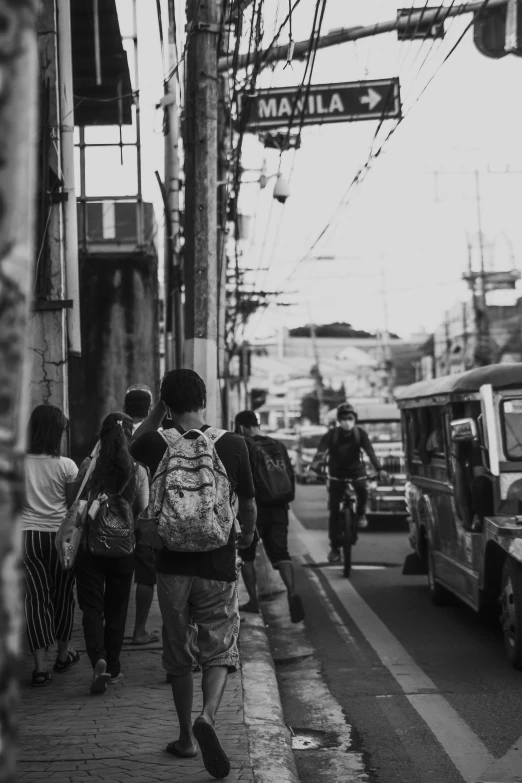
272	524
137	405
342	449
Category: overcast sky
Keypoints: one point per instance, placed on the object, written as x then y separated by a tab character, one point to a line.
402	225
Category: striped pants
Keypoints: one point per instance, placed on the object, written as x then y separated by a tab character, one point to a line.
49	597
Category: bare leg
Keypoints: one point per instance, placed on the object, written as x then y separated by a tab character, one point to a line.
295	604
144	596
63	650
39	660
248	572
213	685
286	571
183	693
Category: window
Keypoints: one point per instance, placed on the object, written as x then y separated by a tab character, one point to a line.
435	440
512	428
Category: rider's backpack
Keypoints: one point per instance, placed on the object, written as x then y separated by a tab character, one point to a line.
110	529
190	497
271	471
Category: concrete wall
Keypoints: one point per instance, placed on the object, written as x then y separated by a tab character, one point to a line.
120	340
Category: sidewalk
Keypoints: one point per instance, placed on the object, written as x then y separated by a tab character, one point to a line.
67	735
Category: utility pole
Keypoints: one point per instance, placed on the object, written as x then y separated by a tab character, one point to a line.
318	379
224	145
173	270
18	133
48	342
201	273
484	353
388	384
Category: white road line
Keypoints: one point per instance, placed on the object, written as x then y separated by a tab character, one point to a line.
508	769
464	748
333	614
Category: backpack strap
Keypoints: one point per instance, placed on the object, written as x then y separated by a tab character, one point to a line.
122	490
214	434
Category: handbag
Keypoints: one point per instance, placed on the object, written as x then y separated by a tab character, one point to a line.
70	532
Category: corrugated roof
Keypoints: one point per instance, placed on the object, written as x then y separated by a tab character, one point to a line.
500	376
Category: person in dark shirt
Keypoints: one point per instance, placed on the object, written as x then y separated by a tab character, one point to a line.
198	588
272	528
342	448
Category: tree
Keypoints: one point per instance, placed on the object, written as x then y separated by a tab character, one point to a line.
18	123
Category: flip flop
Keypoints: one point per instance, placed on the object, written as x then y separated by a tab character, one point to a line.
296	607
62	666
215	759
171	748
153	637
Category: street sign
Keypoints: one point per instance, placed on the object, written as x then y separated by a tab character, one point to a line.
346	102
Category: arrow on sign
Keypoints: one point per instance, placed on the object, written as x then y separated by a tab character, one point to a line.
372	99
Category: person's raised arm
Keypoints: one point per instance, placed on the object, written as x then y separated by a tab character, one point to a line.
153	421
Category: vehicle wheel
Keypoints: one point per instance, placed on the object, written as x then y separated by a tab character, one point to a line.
438	594
511	601
348	540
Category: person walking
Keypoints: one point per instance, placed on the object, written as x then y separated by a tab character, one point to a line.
197	585
137	405
104	582
274	481
49	491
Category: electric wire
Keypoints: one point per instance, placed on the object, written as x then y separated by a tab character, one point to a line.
363	170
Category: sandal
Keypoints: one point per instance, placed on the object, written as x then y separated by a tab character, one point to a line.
39	679
62	666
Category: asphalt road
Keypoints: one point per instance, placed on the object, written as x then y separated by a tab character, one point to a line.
403	690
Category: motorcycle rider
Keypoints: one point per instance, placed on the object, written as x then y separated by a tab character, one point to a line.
341	449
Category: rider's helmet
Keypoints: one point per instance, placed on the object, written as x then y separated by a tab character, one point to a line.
345	409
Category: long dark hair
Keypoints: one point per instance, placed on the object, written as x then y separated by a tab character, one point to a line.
114	465
47	424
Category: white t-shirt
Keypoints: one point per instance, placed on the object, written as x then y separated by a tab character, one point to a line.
45	481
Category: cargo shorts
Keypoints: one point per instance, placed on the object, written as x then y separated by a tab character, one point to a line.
200	623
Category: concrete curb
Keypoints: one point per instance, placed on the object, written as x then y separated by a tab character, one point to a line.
268	736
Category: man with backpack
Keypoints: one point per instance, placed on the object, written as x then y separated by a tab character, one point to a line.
196	472
274	482
342	448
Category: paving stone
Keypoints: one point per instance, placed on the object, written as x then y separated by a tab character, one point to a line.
69	736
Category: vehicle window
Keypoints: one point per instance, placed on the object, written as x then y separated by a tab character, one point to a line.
512	427
434	444
383	431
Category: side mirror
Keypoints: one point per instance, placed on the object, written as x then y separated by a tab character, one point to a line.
464	430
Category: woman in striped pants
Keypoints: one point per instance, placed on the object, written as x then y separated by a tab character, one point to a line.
50	490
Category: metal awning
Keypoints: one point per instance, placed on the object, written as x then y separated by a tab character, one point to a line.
101	78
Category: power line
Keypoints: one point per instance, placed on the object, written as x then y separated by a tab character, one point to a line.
364	169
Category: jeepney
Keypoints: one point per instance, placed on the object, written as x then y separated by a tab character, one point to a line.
463	448
382	422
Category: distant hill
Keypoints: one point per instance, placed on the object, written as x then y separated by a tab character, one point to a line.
335	330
